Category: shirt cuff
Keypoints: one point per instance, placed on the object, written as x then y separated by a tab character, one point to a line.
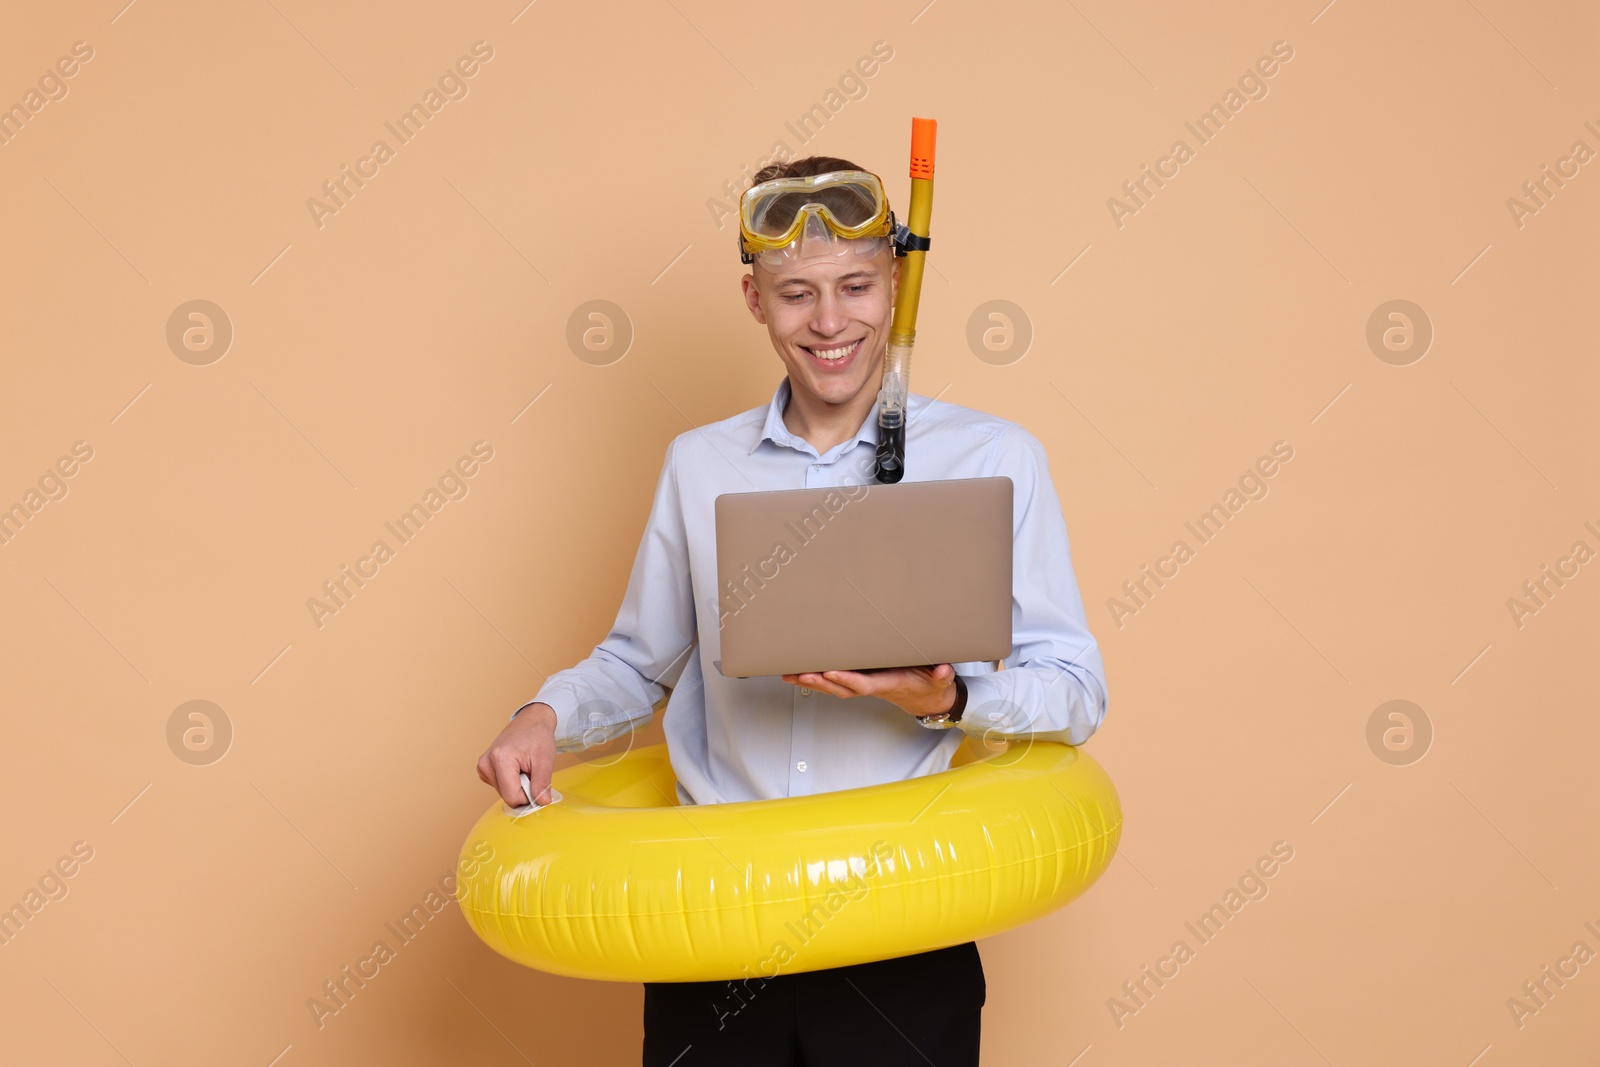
573	735
563	703
987	713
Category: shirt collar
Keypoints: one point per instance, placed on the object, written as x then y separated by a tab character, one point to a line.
774	430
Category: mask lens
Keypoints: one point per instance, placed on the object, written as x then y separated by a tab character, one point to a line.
845	201
848	205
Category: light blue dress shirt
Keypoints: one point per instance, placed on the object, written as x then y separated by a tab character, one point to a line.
733	739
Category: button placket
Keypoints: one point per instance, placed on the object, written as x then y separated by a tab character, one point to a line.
802	737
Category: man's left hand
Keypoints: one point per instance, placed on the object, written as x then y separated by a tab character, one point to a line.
915	690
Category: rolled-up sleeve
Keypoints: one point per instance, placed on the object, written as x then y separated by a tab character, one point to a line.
1054	685
614	689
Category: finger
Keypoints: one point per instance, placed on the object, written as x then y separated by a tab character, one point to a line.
858	683
888	680
508	777
539	786
944	674
821	684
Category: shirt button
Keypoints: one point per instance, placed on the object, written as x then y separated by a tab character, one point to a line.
816	466
801	766
805	693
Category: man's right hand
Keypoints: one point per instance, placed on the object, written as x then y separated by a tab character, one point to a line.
526	746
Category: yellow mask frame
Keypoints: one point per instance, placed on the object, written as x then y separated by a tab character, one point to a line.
850	204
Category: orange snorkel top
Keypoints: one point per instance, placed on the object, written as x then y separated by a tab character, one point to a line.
923	132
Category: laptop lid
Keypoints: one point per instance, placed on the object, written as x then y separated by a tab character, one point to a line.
863	576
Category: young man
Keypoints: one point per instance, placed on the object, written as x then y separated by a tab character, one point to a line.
826	299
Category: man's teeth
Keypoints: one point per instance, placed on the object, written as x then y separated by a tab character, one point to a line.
831	354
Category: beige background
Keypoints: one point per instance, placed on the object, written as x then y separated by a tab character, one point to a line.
1229	313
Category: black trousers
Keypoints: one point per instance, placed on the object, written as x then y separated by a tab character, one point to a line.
914	1010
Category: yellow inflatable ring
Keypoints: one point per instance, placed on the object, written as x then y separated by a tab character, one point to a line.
617	881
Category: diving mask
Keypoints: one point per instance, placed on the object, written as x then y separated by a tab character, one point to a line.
838	214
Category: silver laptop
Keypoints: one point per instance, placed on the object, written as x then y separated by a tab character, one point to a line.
864	576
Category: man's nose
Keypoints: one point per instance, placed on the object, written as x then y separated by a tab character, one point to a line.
830	316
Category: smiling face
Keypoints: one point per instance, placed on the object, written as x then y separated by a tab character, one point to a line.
828	317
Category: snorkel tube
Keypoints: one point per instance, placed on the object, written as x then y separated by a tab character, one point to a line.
892	397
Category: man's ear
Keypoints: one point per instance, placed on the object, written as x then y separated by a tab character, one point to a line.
752	297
